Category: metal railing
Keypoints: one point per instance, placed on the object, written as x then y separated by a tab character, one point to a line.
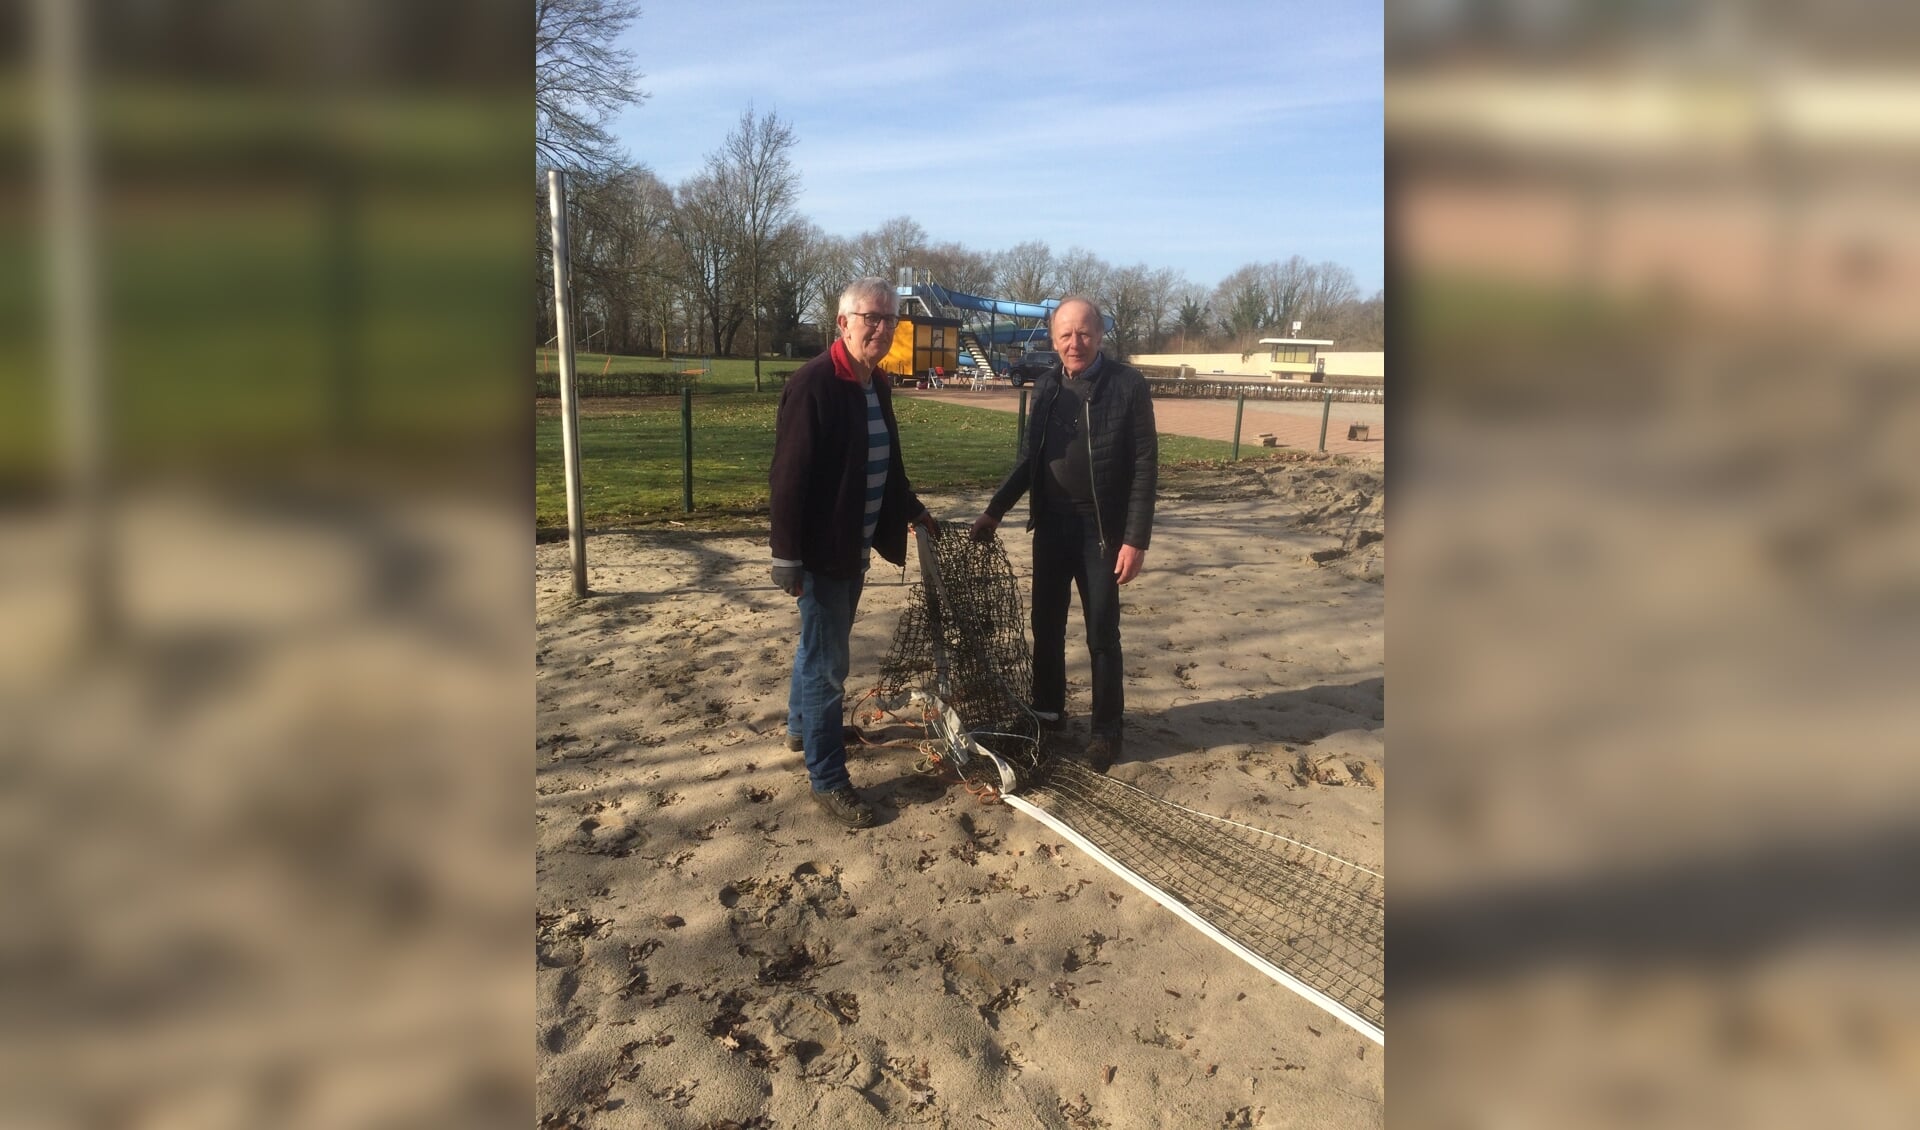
1213	389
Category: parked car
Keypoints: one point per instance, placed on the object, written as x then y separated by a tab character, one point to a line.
1030	366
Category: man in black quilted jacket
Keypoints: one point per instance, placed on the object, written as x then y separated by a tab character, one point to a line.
1090	466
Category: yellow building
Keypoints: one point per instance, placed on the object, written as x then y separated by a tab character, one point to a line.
921	342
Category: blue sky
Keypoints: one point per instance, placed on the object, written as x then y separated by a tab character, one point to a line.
1198	136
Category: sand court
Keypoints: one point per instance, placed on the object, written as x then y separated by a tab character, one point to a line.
712	949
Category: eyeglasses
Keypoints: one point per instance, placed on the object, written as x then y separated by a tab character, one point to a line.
875	319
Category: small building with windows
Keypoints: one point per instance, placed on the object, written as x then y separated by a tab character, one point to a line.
920	343
1294	358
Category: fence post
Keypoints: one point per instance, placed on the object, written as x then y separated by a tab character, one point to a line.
569	395
75	227
1326	410
1020	429
1239	407
686	447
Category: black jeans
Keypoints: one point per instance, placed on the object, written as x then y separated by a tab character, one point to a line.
1066	552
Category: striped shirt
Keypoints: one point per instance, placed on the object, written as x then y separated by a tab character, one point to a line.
879	453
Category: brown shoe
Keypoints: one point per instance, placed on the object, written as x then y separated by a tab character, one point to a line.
847	806
1102	752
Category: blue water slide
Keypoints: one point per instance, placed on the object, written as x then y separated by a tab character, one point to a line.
1035	336
987	305
1004	306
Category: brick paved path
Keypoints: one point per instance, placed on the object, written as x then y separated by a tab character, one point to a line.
1294	423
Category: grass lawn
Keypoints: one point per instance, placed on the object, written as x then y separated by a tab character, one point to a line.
631	464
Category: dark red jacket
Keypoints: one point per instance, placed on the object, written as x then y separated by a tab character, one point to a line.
819	475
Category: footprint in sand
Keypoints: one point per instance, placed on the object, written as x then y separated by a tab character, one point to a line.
811	1030
1079	957
560	936
637	981
558	1038
607	833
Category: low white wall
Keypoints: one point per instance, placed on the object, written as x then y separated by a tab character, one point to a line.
1203	363
1357	364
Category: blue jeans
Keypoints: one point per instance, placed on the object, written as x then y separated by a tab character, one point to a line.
816	696
1066	555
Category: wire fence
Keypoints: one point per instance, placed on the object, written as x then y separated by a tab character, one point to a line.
616	384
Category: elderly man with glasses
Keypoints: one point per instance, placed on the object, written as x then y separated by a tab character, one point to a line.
839	489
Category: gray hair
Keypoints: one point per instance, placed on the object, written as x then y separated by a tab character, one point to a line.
874	287
1099	316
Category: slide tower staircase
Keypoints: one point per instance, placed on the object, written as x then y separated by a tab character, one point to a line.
982	360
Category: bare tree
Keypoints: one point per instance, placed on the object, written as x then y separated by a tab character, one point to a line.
1359	324
1127	295
1243	306
899	242
837	258
1327	288
957	268
581	78
1299	291
703	235
801	265
1262	299
1025	272
1286	285
1163	288
622	256
1080	271
759	184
